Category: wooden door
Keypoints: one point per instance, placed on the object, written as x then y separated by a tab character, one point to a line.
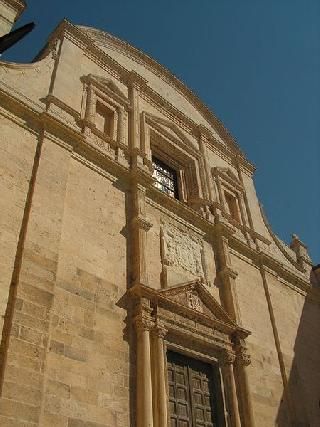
194	393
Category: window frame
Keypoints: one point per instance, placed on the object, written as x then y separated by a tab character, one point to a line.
185	165
167	171
227	184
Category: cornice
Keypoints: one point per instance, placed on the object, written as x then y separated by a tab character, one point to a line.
87	149
77	34
262	259
159	297
278	243
166	75
177	210
18	5
9	92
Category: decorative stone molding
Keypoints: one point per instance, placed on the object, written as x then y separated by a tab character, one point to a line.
243	357
133	79
301	251
8	18
227	358
142	223
229	193
164	140
194	301
227	272
143	318
164	74
143	322
102	91
86	39
283	248
159	330
182	249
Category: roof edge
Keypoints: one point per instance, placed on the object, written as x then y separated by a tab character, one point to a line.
170	78
78	31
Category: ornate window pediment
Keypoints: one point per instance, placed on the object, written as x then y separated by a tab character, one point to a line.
108	87
105	110
165	141
194	296
229	194
170	130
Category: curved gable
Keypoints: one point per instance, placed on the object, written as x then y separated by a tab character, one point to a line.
161	80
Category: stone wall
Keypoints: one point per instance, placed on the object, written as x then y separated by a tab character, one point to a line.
82	224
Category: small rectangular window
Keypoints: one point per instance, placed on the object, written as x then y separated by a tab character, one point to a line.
166	178
232	206
104	119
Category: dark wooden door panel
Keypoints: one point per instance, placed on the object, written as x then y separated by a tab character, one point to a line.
179	397
192	393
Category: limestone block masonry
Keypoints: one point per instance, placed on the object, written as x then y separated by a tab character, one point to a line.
119	304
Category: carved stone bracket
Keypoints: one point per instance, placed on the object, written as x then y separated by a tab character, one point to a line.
243	357
227	272
142	223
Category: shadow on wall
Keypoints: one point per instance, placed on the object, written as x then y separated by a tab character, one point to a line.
300	404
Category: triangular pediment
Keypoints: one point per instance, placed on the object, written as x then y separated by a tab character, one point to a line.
106	84
227	173
194	295
167	128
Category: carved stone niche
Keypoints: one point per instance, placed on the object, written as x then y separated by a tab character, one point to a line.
182	256
229	193
105	115
196	325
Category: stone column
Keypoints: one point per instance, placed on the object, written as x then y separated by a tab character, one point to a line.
230	302
243	360
227	276
158	360
120	129
226	362
90	105
144	323
121	137
139	227
207	178
135	82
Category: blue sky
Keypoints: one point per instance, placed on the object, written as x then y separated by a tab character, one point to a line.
255	63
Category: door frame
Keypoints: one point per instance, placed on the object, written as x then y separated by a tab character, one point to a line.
186	319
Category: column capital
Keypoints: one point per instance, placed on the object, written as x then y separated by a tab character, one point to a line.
243	357
227	357
135	80
143	322
159	330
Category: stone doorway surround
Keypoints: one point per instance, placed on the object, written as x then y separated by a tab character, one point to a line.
186	319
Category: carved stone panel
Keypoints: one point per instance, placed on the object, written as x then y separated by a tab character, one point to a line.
182	251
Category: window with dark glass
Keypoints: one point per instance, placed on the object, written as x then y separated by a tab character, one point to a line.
166	178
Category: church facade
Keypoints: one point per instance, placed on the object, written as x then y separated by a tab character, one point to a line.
141	284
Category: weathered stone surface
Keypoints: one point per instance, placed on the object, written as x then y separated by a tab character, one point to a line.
89	248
